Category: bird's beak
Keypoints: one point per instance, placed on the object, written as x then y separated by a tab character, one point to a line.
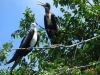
36	24
41	3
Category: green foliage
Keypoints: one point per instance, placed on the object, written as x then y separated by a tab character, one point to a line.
4	72
4	49
24	24
80	23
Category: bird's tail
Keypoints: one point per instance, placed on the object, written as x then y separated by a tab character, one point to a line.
13	58
16	63
10	61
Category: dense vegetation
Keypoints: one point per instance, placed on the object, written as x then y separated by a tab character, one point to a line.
81	23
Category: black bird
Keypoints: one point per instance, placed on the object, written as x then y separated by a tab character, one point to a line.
50	21
29	41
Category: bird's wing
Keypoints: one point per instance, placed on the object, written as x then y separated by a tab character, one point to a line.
16	63
16	54
24	44
54	21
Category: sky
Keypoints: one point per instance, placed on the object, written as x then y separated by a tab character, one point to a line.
11	14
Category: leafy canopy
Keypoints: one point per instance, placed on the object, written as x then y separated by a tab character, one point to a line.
80	23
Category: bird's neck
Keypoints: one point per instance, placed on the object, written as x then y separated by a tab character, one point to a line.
34	30
47	11
48	15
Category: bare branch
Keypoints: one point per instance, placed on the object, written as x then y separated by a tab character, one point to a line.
59	45
98	62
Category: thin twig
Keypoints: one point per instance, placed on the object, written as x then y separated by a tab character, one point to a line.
98	62
78	67
75	52
89	3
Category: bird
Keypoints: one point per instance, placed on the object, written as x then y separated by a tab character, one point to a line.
50	22
29	41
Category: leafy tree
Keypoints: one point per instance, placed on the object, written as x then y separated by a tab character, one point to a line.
81	23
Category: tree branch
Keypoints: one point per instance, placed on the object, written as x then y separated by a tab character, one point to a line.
60	45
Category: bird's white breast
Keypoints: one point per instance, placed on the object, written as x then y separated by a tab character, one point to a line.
34	40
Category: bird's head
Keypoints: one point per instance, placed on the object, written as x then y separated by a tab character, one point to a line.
45	5
33	25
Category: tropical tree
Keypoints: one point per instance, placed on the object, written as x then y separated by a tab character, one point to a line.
79	40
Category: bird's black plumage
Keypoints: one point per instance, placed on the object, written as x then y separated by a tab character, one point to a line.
50	22
25	43
52	28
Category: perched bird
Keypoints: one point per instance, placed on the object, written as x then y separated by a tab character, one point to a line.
29	41
50	22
